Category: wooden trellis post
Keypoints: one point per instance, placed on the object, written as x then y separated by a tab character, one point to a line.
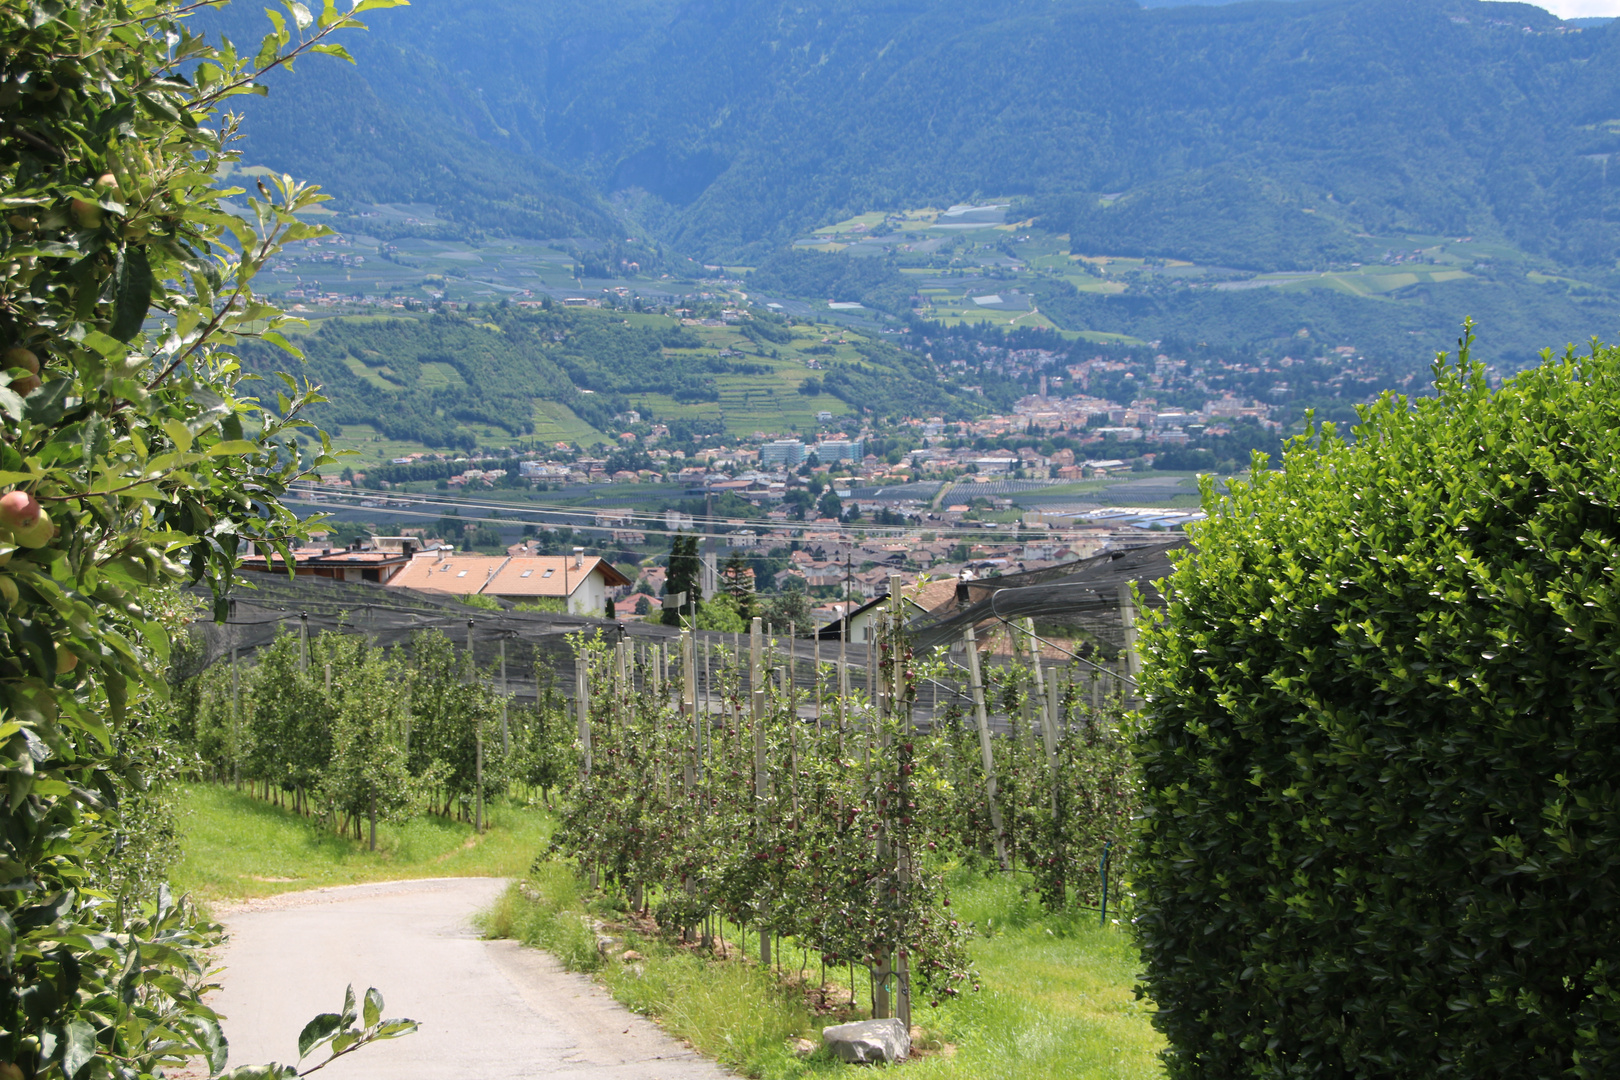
985	752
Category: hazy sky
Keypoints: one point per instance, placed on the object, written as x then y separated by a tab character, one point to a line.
1574	9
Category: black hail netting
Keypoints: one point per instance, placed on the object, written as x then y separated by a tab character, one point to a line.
1081	596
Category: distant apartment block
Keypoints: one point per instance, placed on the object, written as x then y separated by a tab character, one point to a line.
840	450
788	452
1123	434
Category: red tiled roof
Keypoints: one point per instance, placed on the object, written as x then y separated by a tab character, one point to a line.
503	575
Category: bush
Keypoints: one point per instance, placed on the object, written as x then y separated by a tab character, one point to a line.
1382	831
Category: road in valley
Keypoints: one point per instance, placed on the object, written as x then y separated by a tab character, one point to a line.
489	1010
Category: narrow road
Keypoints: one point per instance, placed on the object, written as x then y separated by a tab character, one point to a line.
489	1010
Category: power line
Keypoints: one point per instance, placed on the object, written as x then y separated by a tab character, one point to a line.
403	505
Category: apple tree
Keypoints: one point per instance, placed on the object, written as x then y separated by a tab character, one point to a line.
133	452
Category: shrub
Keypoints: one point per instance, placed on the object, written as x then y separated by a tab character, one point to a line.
1381	836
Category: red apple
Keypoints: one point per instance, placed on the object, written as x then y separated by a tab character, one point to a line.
21	358
29	524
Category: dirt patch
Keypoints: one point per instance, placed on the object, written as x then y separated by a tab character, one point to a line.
472	841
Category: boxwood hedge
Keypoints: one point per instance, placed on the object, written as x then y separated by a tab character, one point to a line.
1382	744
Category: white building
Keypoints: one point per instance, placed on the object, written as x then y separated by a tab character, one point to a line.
787	452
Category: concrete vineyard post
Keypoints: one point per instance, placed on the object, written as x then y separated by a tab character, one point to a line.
582	692
506	733
303	641
902	867
1132	658
816	670
478	780
236	720
582	709
1049	732
756	686
983	718
843	683
689	706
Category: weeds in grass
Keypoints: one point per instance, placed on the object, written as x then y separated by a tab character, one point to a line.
546	912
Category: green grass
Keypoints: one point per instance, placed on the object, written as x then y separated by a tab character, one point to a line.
238	846
1057	997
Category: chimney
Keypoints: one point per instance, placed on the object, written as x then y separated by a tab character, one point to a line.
579	558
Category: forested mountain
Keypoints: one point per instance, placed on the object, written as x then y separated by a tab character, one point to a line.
1257	135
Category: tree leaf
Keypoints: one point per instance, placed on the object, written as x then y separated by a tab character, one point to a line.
373	1007
78	1047
333	49
317	1031
132	292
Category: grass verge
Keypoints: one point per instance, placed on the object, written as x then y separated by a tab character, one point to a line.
1057	998
237	847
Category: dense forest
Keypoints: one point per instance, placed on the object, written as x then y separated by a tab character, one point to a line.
1255	135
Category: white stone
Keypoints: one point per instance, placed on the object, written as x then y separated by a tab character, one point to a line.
869	1041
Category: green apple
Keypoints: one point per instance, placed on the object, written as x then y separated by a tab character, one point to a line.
87	213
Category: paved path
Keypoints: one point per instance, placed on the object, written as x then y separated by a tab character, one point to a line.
489	1010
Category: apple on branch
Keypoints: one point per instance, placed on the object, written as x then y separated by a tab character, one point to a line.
29	525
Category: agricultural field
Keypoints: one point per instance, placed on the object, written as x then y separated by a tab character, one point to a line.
974	265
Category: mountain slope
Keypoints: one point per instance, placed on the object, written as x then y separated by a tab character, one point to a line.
737	125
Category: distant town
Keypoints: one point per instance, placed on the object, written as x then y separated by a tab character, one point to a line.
839	515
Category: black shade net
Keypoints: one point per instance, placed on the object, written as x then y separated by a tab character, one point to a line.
538	652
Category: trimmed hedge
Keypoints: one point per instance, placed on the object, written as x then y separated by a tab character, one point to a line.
1382	747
